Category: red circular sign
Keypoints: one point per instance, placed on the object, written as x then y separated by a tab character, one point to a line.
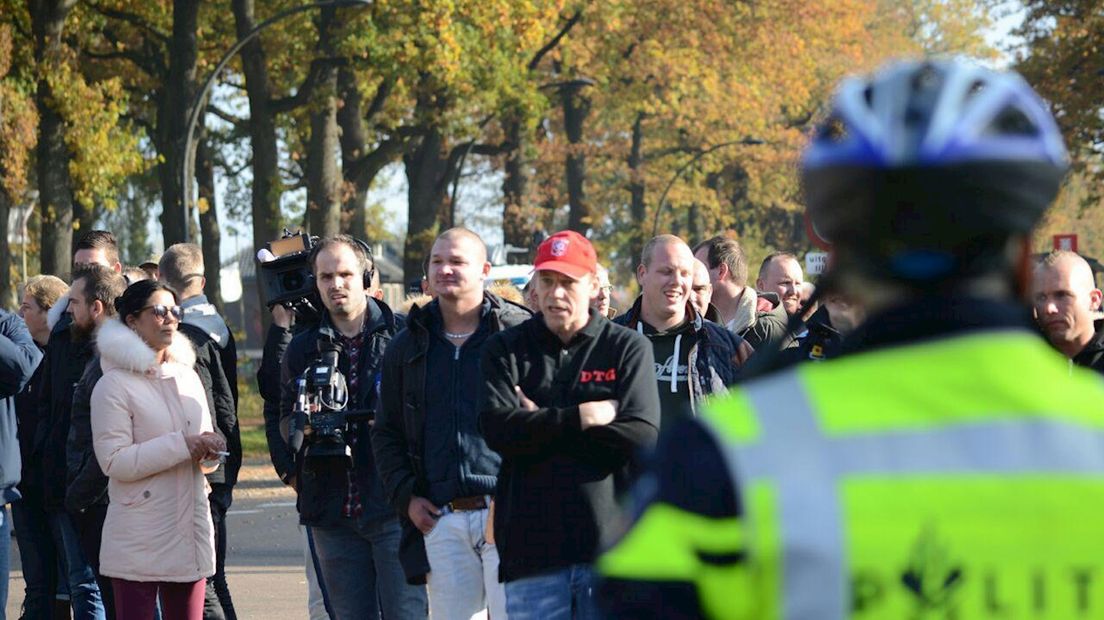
814	236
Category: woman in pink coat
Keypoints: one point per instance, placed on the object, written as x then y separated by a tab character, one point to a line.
152	433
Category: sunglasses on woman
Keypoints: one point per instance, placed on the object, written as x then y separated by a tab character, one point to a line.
162	312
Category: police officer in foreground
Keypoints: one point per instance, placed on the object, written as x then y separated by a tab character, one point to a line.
948	464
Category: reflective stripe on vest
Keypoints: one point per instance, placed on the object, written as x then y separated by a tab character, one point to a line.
955	482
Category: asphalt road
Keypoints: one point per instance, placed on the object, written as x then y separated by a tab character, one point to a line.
265	559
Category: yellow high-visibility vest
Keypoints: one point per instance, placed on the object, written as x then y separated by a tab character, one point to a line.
961	478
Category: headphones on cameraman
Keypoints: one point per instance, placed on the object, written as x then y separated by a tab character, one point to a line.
369	258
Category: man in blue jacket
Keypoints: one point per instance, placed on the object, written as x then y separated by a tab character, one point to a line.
19	356
437	470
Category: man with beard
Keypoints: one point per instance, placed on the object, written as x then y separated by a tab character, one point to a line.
91	302
694	357
67	353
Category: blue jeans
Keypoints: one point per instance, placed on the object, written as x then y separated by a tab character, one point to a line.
38	556
563	594
84	592
361	571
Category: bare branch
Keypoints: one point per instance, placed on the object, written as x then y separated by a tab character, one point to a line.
226	116
551	45
132	19
306	89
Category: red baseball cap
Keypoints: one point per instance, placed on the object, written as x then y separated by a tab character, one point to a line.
567	252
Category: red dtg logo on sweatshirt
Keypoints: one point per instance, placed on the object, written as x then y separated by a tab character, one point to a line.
598	376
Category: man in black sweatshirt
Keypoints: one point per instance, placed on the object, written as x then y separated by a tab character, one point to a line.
569	402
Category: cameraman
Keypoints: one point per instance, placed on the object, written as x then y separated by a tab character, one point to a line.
356	532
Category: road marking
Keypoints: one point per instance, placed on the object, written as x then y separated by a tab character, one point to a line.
276	505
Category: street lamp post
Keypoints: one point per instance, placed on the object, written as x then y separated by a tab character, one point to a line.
187	170
747	141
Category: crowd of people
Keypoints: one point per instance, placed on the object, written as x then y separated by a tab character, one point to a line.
127	439
539	454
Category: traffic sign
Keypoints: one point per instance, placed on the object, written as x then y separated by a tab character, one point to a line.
815	263
1066	242
814	235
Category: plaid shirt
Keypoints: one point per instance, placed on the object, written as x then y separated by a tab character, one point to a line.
353	347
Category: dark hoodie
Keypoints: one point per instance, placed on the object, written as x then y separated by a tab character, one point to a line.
1092	356
216	365
710	347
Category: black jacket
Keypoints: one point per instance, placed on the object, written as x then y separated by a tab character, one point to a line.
221	399
323	482
268	385
62	368
1092	356
716	367
19	355
26	410
398	437
820	342
86	482
556	501
217	366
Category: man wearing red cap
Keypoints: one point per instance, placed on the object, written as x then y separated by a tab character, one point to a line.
569	402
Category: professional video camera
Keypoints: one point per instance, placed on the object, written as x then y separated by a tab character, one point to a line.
286	276
320	417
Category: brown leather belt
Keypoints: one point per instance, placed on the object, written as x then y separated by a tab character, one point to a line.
467	504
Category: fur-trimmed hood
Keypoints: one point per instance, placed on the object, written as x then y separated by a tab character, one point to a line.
122	347
56	311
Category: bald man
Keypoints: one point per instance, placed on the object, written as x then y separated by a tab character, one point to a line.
678	332
701	292
435	466
1067	306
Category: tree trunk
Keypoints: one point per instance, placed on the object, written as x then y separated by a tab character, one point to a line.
209	224
55	189
693	223
353	147
516	229
359	165
267	188
323	176
177	98
8	298
427	176
576	107
637	207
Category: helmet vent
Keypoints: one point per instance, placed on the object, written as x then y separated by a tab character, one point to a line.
1012	121
976	87
833	130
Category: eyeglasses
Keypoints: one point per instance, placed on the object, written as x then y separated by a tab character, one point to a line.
162	312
